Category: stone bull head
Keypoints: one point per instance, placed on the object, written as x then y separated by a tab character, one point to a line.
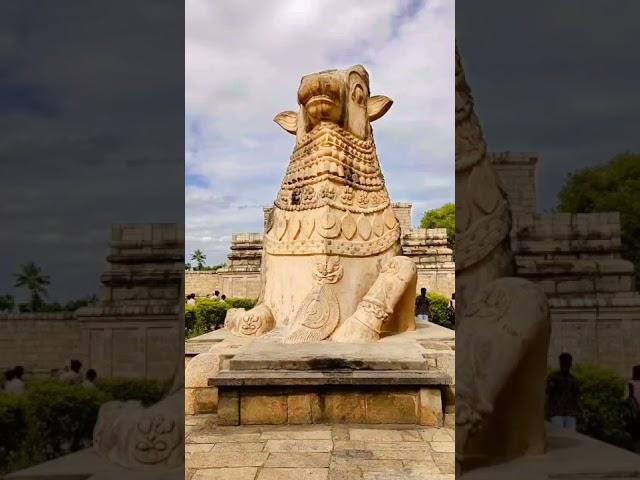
337	96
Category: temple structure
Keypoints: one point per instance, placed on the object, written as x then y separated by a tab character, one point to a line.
576	260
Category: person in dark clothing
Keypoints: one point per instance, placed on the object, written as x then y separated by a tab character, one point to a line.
422	307
563	393
632	414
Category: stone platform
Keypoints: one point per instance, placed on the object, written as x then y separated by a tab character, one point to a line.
89	465
402	379
317	452
569	456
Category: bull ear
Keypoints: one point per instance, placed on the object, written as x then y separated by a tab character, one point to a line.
287	120
377	106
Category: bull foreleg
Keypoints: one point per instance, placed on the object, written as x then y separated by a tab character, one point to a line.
379	302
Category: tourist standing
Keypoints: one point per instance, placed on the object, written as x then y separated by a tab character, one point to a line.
215	296
422	307
72	376
563	393
635	380
191	299
90	379
451	313
8	376
15	384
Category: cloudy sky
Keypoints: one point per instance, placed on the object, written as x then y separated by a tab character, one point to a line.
91	115
557	78
244	60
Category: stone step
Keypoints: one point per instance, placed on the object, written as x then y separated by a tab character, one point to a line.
334	377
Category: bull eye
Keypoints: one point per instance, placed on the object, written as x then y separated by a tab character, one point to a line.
357	94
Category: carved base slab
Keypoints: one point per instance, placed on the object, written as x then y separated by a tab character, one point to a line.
268	353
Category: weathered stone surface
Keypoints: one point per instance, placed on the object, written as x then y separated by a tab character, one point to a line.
293	474
299	408
344	408
263	409
268	354
299	445
197	447
443	447
228	407
200	400
319	432
240	473
391	407
299	459
375	435
223	438
431	407
400	454
227	458
238	447
444	461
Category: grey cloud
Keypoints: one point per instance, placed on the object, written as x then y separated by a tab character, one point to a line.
559	78
95	135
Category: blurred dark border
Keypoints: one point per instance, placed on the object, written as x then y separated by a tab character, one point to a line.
92	237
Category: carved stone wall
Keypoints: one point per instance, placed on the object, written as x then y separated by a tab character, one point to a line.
241	275
576	260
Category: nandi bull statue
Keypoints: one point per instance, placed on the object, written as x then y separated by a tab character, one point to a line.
503	325
331	267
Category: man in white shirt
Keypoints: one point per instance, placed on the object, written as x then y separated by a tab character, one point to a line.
90	379
72	376
15	384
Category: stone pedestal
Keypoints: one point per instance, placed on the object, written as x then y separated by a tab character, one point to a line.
402	379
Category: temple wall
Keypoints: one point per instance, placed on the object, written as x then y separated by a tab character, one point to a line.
41	342
202	283
134	330
38	341
576	260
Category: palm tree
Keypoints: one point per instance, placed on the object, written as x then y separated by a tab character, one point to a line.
199	258
31	277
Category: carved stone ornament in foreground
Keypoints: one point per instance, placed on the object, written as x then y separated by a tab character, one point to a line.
502	324
143	438
332	225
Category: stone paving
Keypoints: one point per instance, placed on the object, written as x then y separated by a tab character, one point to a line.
317	452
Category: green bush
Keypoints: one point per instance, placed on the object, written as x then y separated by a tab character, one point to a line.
13	427
207	315
189	320
210	314
601	405
148	391
601	408
53	419
439	309
238	302
61	417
